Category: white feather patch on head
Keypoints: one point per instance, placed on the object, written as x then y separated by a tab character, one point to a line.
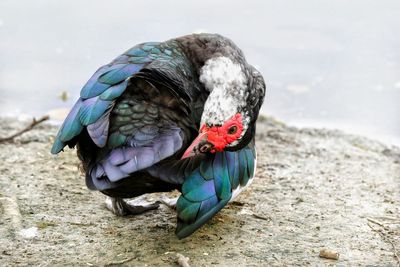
227	85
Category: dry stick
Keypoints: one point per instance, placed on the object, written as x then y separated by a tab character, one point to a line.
377	222
385	238
26	129
261	217
81	224
119	262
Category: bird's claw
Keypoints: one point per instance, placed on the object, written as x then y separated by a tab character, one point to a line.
121	207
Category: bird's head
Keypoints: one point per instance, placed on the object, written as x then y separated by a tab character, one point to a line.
228	120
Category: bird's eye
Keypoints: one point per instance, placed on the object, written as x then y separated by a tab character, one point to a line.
232	129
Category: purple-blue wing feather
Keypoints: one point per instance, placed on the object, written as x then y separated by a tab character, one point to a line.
93	86
97	98
92	109
120	162
72	123
98	131
114	91
115	76
69	129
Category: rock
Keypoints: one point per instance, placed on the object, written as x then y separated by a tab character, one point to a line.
182	260
329	254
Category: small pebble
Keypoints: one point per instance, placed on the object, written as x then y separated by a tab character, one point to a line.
329	254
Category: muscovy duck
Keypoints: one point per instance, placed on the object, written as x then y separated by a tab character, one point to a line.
178	114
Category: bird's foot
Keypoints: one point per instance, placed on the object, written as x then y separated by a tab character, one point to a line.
122	207
170	202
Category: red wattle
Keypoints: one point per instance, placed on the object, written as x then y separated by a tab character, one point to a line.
219	135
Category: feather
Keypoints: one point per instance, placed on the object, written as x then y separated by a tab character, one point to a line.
243	174
207	205
188	209
186	228
196	180
58	145
92	87
69	129
116	139
116	76
205	170
122	59
120	162
140	60
201	191
113	172
232	159
136	52
250	163
221	176
98	131
114	91
92	109
149	46
71	125
211	194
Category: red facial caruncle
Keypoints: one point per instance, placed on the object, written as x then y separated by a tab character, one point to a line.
216	138
221	136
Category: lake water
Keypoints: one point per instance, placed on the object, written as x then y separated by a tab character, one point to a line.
329	64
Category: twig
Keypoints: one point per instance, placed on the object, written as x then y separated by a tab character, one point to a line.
26	129
385	238
261	217
81	223
119	262
377	222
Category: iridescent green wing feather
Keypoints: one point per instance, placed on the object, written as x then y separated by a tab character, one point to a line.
209	187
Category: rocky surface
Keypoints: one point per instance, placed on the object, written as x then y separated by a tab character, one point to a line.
314	189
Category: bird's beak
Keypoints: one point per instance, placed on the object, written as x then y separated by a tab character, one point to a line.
199	145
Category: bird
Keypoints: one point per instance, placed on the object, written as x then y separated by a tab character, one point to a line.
173	115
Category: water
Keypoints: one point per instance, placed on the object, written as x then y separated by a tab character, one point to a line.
327	63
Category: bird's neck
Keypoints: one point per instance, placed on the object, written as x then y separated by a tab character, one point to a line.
226	82
221	68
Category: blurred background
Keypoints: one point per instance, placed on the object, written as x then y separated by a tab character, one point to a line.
333	64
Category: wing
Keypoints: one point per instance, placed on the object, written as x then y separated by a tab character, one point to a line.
211	186
132	113
98	96
109	82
